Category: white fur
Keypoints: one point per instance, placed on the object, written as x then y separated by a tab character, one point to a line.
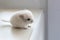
17	21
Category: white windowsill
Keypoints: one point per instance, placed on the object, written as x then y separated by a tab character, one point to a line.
8	33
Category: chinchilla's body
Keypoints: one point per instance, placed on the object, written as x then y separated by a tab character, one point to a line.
22	18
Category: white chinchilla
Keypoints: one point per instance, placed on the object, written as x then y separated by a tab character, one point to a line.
22	19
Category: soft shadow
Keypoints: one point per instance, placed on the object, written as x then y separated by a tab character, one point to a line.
19	32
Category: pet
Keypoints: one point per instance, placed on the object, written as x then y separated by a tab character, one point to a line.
22	19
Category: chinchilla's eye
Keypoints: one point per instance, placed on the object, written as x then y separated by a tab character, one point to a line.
28	19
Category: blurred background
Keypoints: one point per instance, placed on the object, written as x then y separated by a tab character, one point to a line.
22	4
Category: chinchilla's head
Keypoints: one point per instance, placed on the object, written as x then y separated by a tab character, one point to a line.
26	16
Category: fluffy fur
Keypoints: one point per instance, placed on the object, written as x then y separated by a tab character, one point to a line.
22	19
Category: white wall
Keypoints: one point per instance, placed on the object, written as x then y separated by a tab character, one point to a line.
53	19
22	3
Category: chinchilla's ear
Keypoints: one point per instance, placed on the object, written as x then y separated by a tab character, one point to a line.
22	16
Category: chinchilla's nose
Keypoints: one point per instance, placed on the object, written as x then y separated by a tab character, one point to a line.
31	21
